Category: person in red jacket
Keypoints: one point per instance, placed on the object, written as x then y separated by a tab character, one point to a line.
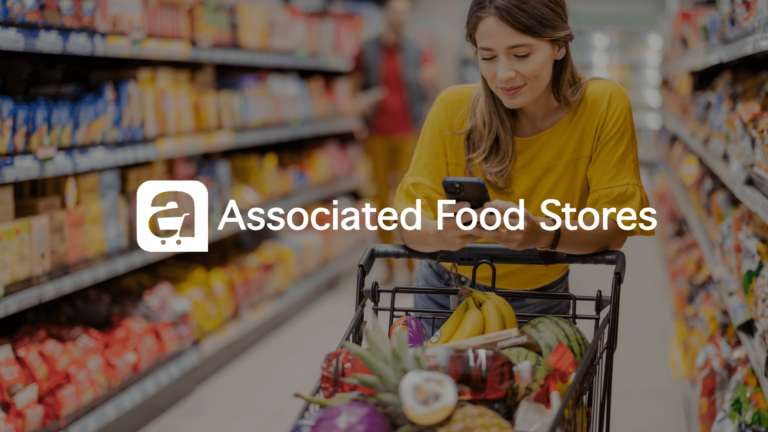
401	71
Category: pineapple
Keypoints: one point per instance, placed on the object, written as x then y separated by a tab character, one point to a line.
469	418
388	365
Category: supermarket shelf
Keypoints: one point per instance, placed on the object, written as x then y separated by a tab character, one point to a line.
750	196
67	162
135	259
737	310
697	60
126	411
65	42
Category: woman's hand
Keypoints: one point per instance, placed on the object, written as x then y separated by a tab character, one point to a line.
533	236
430	239
451	237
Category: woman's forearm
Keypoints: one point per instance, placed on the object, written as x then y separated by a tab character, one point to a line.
424	239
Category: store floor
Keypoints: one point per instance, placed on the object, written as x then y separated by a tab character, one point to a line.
254	392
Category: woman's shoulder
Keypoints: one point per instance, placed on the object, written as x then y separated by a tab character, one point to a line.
452	105
602	91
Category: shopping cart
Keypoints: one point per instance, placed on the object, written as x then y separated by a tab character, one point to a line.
172	223
591	387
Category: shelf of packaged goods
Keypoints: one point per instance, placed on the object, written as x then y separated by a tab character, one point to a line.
737	310
135	259
75	161
752	41
750	196
77	43
214	350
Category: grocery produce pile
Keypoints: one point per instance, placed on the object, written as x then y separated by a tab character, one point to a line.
66	356
706	350
479	372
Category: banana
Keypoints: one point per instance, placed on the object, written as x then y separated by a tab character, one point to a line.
472	324
449	327
510	319
493	321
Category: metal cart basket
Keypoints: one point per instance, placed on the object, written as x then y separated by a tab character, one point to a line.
589	396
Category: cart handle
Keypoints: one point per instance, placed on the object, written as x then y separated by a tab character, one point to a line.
473	253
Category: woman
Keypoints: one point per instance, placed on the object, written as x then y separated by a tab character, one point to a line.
533	129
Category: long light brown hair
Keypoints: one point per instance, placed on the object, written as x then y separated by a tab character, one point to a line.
489	132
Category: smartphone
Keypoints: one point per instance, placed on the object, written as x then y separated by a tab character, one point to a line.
469	189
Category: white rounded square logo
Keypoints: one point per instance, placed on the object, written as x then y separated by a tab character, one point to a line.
148	211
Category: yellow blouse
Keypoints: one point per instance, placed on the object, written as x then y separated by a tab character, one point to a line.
588	159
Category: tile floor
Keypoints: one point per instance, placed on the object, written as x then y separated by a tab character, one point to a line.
254	392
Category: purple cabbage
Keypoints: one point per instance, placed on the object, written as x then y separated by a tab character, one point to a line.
417	333
351	417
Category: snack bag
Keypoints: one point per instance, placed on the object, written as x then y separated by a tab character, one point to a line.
12	376
6	423
28	415
57	357
7	112
87	391
29	356
18	142
60	402
60	135
61	12
87	13
24	11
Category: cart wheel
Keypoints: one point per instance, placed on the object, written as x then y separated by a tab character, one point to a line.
178	242
162	242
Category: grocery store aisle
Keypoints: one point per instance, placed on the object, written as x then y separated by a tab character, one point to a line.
254	392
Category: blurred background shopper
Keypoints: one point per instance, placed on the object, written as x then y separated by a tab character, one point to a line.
398	72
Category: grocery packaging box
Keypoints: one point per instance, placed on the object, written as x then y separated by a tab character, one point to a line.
77	250
22	257
40	229
7	205
38	206
58	238
95	241
6	253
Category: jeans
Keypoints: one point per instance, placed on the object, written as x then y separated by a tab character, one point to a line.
433	274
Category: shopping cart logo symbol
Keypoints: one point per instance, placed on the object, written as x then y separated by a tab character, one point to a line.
177	242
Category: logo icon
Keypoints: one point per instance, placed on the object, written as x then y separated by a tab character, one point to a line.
178	241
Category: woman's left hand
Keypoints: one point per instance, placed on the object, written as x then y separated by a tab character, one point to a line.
532	236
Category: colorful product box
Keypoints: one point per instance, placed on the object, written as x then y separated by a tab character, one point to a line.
95	242
58	238
20	124
62	125
6	253
7	204
38	126
40	229
28	11
7	113
62	12
76	250
22	250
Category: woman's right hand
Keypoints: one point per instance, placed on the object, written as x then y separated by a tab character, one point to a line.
452	237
